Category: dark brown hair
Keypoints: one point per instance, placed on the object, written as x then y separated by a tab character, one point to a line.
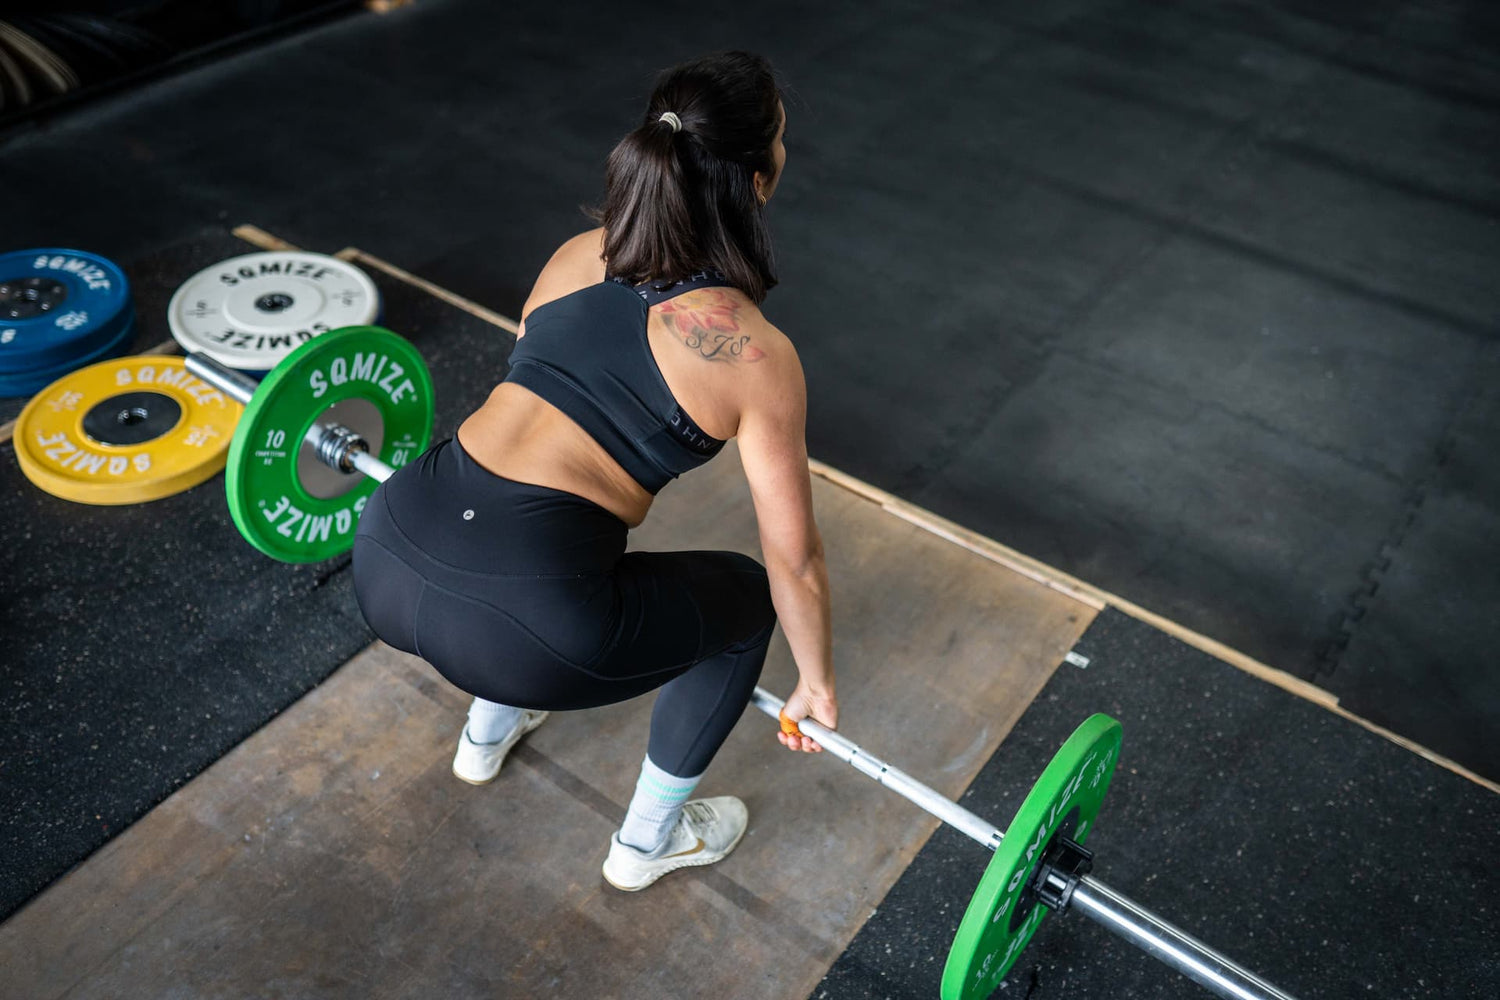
677	202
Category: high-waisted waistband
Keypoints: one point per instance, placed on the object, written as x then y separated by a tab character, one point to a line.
459	514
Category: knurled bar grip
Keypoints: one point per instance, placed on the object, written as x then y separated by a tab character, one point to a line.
241	387
896	780
1093	898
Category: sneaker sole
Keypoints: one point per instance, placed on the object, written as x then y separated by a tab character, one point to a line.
485	781
685	863
476	781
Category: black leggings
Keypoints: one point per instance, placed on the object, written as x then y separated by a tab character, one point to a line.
525	595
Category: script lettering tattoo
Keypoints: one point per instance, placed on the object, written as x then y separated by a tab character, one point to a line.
709	324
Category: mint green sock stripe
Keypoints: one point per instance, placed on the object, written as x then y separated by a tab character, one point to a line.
654	808
666	791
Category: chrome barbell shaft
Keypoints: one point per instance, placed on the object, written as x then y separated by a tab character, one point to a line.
370	465
1095	900
236	385
1169	943
241	387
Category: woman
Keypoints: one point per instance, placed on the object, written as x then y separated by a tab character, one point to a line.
499	556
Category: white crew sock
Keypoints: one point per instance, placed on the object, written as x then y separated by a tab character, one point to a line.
491	722
655	807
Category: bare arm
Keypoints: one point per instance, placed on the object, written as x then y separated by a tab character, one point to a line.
773	448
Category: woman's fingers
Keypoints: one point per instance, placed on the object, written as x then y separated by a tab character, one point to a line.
806	744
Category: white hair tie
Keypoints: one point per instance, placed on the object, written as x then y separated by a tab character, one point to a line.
670	119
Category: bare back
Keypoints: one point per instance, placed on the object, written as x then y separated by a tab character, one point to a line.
715	350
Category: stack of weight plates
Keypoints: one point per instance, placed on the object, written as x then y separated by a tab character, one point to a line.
250	312
59	310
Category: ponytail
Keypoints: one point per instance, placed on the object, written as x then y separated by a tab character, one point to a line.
679	190
647	218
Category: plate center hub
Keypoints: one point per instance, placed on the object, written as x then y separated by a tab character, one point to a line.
131	418
24	298
274	302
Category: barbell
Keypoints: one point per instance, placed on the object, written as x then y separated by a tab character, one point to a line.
341	413
1040	865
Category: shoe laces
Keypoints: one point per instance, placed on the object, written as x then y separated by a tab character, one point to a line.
699	813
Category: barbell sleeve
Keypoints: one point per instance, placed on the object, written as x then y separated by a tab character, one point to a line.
1095	900
241	387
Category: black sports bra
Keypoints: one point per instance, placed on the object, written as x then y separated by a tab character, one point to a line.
588	355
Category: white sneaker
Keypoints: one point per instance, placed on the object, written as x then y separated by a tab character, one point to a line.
478	763
707	830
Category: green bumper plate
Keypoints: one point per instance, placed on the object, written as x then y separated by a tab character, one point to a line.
382	389
1003	914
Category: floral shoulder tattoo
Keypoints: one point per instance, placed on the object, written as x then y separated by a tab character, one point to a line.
710	326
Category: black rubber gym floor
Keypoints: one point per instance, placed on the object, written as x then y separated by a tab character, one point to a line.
1195	302
1303	846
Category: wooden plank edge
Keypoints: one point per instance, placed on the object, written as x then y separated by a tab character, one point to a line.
258	237
354	255
957	534
1080	590
1098	598
1418	749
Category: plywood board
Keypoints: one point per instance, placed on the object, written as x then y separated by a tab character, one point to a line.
333	854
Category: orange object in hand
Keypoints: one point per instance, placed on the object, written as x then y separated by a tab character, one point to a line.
788	726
